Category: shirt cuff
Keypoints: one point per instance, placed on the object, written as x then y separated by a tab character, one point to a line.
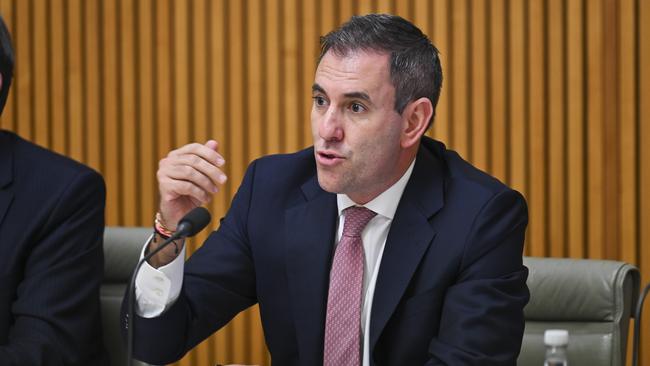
156	289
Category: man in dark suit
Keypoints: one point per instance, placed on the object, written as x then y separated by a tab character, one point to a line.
376	246
51	261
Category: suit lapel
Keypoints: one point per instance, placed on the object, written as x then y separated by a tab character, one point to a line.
409	238
310	228
6	173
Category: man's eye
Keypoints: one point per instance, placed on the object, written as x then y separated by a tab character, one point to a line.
357	108
319	101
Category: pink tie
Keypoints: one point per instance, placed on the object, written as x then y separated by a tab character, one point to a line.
343	324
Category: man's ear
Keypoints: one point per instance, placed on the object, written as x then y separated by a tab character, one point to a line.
416	120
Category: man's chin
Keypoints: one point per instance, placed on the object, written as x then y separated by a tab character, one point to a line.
328	185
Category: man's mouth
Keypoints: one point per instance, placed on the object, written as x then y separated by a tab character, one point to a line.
328	155
328	158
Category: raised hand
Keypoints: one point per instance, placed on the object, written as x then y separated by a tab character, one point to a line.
187	178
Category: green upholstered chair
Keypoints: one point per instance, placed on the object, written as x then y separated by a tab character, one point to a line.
122	246
593	299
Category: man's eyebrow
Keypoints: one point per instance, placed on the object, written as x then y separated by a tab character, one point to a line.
358	95
317	88
351	95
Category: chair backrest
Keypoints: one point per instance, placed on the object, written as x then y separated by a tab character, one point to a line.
592	299
122	247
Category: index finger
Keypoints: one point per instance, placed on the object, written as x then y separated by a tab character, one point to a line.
204	151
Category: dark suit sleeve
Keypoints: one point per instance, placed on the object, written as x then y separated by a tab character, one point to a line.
482	319
56	310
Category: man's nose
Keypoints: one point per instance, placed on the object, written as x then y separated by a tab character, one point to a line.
330	128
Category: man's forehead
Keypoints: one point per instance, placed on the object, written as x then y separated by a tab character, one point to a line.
355	71
354	61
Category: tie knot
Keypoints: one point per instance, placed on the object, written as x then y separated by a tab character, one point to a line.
356	218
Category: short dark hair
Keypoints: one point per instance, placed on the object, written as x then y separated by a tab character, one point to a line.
6	62
415	69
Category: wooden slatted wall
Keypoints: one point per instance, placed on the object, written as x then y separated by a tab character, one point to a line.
551	96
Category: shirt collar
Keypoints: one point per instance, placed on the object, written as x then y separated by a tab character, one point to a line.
386	203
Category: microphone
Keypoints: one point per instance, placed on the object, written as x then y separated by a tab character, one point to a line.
193	222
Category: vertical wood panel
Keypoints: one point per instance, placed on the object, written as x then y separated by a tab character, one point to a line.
576	130
235	144
216	88
179	19
422	16
273	89
198	69
290	84
497	92
529	94
627	200
110	106
385	6
556	138
255	83
643	106
595	179
162	88
366	6
516	93
402	8
23	70
310	50
441	38
536	92
57	75
127	118
75	94
92	87
479	134
459	86
611	130
346	9
144	55
39	45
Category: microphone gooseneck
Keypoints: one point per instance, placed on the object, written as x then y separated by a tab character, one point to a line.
193	222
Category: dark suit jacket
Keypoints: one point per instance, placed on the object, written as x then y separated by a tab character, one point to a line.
51	258
451	286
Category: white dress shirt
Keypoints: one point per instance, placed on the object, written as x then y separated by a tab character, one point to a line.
157	289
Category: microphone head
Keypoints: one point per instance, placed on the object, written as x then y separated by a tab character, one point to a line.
193	222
